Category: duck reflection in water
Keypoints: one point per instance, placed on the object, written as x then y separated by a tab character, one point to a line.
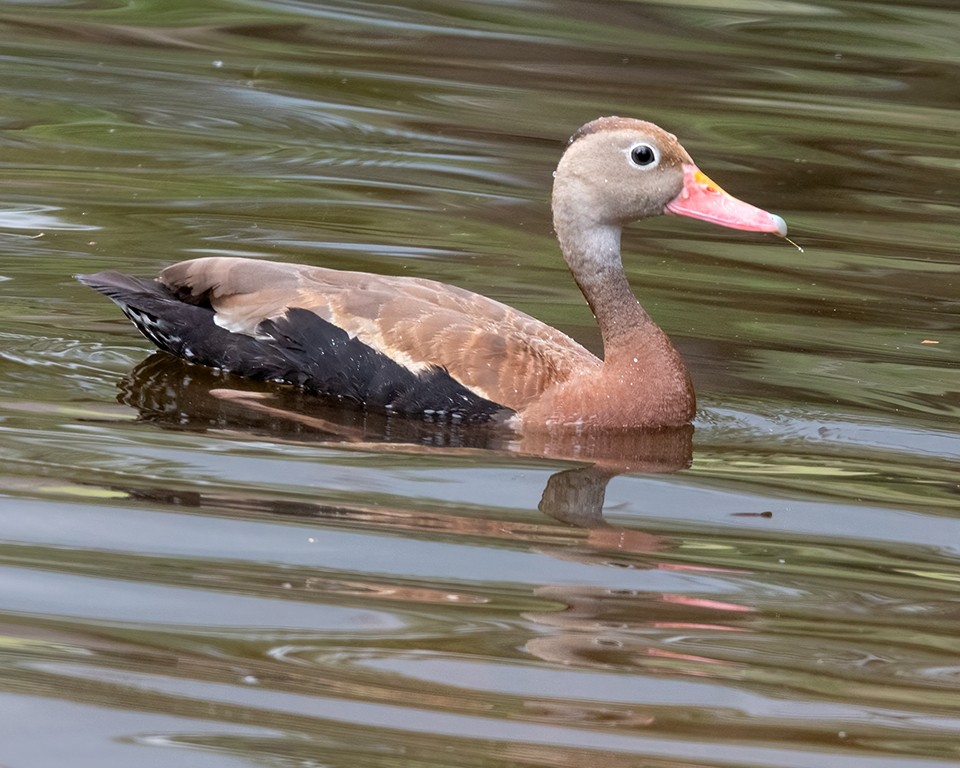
175	394
585	625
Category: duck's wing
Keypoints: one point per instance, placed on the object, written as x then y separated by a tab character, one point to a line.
499	353
298	347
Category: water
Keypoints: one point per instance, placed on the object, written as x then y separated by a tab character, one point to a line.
190	577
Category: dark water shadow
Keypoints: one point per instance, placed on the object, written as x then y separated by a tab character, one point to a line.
178	395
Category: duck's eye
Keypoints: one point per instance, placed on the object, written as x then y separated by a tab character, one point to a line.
643	155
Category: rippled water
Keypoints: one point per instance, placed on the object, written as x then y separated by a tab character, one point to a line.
207	573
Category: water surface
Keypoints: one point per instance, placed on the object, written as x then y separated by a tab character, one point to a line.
188	577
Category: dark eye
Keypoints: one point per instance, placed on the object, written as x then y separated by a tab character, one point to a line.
643	154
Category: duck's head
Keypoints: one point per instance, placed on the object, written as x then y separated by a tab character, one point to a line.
616	170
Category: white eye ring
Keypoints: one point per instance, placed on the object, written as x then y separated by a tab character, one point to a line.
644	156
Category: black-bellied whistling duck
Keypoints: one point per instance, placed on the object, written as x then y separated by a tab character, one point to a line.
423	348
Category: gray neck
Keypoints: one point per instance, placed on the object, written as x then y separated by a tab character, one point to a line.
592	252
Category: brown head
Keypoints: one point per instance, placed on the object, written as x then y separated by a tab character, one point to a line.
616	170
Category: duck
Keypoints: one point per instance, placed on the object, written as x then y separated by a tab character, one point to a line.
418	348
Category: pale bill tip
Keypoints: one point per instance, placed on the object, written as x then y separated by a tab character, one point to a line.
780	224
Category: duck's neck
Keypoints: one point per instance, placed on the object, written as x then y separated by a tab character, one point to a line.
593	255
643	381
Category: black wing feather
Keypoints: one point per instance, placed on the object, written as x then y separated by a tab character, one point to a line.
300	348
